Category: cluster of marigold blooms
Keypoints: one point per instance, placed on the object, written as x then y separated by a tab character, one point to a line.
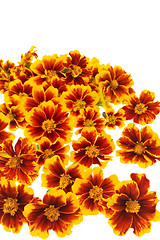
50	99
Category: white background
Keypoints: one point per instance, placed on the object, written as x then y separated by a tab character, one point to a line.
122	32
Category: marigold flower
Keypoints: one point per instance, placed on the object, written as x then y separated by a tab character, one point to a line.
15	113
19	164
92	148
22	73
13	199
3	124
47	150
48	120
134	206
90	118
18	91
114	119
27	58
77	72
46	69
140	147
58	212
142	110
57	175
93	190
115	83
78	98
39	95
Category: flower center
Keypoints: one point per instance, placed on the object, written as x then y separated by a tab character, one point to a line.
132	206
51	73
48	126
113	84
65	180
79	104
10	206
23	95
14	162
92	151
11	116
111	119
48	153
88	123
52	213
139	148
96	193
76	71
140	108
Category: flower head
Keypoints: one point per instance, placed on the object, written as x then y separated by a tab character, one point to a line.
57	175
47	149
78	98
13	199
140	147
133	206
142	110
93	190
92	148
19	163
58	212
115	83
48	120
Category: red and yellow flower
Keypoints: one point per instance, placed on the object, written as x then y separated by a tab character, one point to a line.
13	199
48	120
58	212
39	95
6	75
46	69
92	148
140	147
134	206
26	59
19	163
47	149
90	118
3	133
93	190
77	73
78	98
142	110
18	91
114	119
57	175
115	83
15	113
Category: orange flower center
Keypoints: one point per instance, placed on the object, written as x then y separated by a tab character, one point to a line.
132	206
48	126
139	148
96	193
88	123
111	119
10	206
23	95
76	71
113	84
52	213
78	105
65	180
48	153
11	116
92	151
14	162
50	73
140	108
